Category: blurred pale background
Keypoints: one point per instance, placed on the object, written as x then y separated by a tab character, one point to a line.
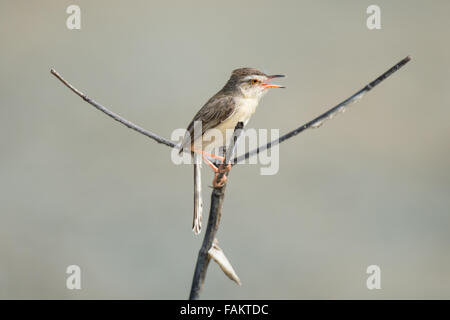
372	186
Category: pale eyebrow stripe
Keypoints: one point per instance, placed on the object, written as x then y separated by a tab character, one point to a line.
260	78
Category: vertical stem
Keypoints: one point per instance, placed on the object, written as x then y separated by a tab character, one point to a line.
215	213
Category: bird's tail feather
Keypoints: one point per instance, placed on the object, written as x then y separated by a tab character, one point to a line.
198	203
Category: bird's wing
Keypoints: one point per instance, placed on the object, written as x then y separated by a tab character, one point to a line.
216	110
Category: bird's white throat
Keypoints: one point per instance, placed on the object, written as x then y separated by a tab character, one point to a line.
245	108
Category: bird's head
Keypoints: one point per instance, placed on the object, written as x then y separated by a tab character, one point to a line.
251	83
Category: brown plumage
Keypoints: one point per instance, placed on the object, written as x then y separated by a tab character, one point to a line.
216	110
219	107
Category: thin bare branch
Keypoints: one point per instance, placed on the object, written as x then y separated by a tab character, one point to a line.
317	122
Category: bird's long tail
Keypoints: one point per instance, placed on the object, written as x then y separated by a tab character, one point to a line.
198	203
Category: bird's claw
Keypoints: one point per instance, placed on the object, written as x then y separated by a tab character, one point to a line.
221	182
224	169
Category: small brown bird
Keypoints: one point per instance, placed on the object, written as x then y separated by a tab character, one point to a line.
235	102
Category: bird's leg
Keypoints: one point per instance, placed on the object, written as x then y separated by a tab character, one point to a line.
212	165
214	156
216	173
221	169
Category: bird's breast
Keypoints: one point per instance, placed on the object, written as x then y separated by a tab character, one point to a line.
244	108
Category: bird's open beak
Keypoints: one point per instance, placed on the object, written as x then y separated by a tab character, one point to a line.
272	85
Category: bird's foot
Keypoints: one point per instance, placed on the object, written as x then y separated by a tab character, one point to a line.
224	168
221	171
221	182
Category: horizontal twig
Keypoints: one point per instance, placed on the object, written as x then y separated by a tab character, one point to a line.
208	248
311	124
113	115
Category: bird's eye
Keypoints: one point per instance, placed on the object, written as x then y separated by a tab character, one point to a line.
254	81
